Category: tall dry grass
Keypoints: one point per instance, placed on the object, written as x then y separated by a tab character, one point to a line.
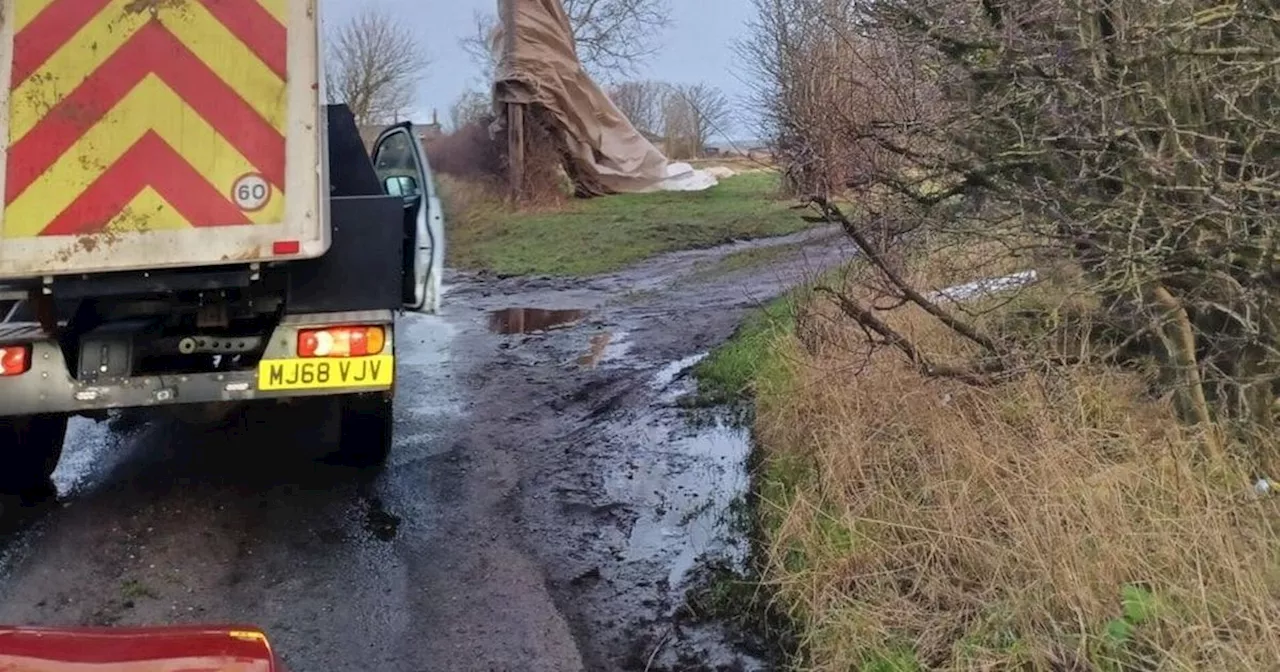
1061	521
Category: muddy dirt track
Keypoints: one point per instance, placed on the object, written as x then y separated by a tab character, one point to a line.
544	507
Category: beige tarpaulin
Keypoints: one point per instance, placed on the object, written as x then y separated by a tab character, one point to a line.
537	64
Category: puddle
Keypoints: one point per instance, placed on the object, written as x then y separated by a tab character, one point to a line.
663	379
684	479
674	490
599	346
382	524
532	320
602	350
89	444
686	488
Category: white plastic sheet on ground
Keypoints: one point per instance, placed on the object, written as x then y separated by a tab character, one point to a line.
981	288
721	172
684	177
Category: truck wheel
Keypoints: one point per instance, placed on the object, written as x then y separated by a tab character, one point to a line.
366	432
30	447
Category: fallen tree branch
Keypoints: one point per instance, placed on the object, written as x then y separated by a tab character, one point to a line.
868	321
835	216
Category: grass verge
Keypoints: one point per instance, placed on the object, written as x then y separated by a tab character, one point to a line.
731	372
605	234
1060	521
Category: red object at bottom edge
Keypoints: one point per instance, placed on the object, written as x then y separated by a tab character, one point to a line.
168	649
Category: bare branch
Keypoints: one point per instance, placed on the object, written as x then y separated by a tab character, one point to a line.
375	64
479	44
868	320
613	37
834	215
469	108
642	103
695	112
1133	143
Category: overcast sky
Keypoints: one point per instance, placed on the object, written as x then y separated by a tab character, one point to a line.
697	48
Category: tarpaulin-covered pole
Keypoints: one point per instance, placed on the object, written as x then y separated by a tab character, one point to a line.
558	118
514	111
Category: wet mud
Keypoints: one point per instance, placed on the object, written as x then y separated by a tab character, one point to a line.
548	504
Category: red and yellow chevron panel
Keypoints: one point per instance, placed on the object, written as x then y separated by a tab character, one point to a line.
129	115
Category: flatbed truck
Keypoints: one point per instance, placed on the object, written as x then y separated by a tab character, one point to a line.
187	222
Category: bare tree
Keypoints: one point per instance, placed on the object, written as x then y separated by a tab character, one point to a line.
470	107
642	103
678	125
696	112
818	69
479	44
612	36
1132	144
374	64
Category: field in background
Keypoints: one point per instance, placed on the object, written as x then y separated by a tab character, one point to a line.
606	234
1061	521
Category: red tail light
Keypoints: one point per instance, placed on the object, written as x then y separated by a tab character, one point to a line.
286	247
15	360
342	342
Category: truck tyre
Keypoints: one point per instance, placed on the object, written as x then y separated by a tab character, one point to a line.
30	447
365	436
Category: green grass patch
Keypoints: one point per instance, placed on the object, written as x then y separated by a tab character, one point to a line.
731	371
903	660
606	234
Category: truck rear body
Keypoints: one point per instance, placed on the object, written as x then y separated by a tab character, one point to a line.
147	134
185	221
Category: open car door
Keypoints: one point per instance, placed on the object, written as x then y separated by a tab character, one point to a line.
402	167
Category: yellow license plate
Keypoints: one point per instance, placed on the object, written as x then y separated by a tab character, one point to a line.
326	374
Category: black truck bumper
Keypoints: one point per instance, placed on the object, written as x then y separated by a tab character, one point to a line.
49	387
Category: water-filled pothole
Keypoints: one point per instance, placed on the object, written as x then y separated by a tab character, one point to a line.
674	489
378	521
529	320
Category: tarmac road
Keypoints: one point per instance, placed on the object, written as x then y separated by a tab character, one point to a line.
543	508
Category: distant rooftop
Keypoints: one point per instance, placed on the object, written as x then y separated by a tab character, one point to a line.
426	131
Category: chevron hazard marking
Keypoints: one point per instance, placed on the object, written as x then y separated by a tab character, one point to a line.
277	9
149	163
150	107
127	118
259	31
51	60
148	211
208	95
26	10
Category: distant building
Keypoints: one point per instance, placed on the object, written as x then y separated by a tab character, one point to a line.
431	131
426	132
752	149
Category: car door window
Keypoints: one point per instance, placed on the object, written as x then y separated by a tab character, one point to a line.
396	163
